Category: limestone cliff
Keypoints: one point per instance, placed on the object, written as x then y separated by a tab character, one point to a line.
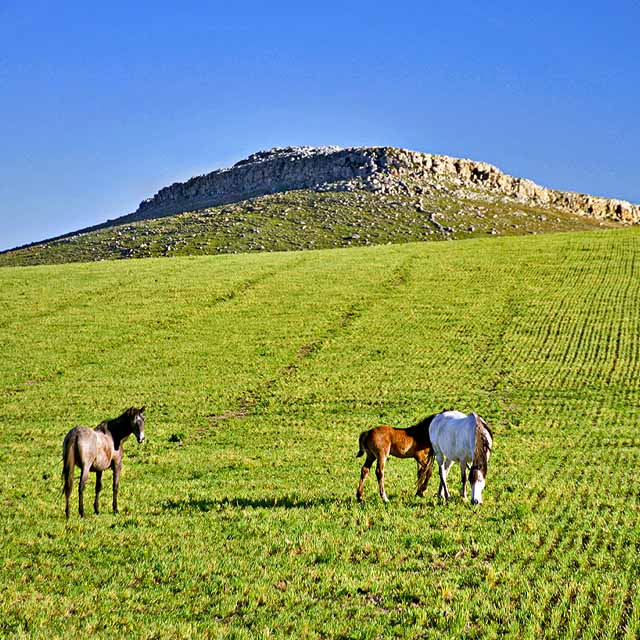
380	169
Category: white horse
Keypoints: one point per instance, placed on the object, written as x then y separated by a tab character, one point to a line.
467	440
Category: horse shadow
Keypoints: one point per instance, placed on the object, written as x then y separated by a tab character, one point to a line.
279	502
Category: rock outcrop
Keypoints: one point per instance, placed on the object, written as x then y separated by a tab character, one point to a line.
381	169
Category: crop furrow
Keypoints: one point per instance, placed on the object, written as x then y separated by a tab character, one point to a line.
252	399
627	609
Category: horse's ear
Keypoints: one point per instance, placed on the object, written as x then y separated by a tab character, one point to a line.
141	410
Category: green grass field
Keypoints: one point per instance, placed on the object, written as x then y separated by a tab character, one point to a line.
238	517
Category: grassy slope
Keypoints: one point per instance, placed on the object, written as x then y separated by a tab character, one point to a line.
309	220
246	526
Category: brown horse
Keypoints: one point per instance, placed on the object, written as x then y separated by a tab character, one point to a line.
383	441
96	450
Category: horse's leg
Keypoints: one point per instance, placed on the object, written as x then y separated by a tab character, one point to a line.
445	467
116	483
84	476
443	491
419	487
441	488
463	471
440	460
98	489
366	467
380	475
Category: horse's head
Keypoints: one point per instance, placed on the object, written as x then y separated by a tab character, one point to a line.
478	471
137	422
477	480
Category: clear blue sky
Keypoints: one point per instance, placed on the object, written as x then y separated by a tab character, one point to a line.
102	104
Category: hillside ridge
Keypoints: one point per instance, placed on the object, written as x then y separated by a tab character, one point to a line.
386	170
296	198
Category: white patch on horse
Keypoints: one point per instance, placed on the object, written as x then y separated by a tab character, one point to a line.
139	422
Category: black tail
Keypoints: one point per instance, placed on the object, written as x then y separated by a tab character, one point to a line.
361	444
68	463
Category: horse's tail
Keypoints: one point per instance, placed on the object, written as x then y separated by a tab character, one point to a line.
425	472
68	461
430	458
361	440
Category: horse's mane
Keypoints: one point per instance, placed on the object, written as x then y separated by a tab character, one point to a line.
103	427
486	426
424	423
420	430
483	447
117	425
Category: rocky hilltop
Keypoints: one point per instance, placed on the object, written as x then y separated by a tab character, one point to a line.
298	198
384	170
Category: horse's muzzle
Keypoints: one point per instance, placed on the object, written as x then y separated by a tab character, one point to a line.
140	437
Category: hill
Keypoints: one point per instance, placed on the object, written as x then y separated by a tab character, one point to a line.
238	517
301	198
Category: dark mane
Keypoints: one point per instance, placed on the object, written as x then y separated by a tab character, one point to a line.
483	448
420	430
486	426
120	427
103	427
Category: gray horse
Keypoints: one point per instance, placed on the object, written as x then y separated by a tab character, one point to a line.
96	450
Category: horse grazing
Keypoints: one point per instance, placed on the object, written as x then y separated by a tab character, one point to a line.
381	442
96	450
465	439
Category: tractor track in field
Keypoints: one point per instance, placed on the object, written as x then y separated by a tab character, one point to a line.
249	402
233	294
252	398
244	286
